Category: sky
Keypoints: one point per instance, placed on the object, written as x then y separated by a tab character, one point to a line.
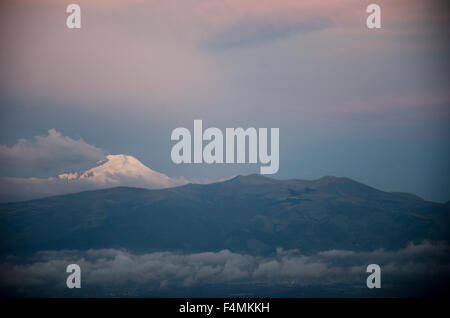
372	105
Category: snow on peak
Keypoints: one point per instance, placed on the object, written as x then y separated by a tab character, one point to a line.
123	170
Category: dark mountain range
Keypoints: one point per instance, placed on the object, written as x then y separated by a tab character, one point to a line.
252	214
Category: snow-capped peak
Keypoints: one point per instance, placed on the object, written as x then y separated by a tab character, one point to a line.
123	170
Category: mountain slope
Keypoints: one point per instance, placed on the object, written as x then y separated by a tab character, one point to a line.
253	214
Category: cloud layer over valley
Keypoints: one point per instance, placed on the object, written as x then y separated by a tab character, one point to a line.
107	272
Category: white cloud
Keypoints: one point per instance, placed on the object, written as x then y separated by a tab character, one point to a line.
49	153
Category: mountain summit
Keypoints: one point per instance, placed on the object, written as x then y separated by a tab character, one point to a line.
116	168
113	171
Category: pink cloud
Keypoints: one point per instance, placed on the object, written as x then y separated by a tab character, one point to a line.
151	53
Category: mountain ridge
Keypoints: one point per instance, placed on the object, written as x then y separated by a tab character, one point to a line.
252	179
252	214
